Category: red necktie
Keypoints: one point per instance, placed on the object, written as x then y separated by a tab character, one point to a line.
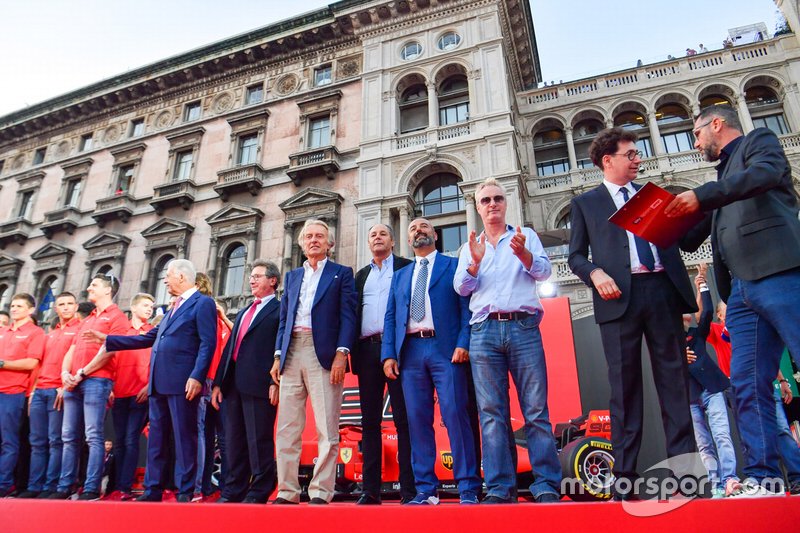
175	307
244	326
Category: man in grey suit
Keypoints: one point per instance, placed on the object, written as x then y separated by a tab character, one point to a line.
751	215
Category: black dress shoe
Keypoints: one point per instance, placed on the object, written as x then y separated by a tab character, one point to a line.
58	495
253	499
283	501
184	498
368	499
494	499
317	501
29	494
149	498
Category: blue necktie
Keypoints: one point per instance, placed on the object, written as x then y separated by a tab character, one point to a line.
420	288
646	257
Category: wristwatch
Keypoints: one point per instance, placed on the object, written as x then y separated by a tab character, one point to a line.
81	372
2	363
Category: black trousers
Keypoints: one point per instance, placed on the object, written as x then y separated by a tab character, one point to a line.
653	313
249	425
371	385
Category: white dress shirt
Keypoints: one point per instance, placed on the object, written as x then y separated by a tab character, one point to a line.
264	301
619	201
427	322
308	291
376	296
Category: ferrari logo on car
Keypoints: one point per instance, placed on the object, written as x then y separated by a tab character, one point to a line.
346	454
447	460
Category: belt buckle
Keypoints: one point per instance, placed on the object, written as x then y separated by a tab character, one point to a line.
426	334
505	317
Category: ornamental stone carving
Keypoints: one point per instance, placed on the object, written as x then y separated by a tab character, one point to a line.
18	162
163	119
62	149
286	84
222	102
349	68
111	134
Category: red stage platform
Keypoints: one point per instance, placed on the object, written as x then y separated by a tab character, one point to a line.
742	514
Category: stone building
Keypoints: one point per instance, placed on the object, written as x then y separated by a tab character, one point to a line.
359	112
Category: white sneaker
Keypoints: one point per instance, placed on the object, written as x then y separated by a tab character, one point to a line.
753	489
424	499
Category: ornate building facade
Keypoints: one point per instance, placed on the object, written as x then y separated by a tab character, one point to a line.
360	112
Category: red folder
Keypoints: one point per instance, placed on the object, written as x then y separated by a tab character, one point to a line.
643	215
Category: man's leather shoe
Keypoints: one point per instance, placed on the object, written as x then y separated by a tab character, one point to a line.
184	498
317	501
252	499
548	497
149	498
368	499
495	499
283	501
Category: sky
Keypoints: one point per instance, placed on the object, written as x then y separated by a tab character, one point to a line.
50	47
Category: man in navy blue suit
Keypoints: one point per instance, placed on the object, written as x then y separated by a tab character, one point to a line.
243	383
426	335
317	328
183	345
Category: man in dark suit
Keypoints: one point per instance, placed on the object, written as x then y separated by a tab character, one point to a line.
751	215
426	343
639	290
373	283
183	345
244	384
316	332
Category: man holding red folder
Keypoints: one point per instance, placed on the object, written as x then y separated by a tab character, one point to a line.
639	290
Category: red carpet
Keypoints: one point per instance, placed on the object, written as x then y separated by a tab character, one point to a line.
753	514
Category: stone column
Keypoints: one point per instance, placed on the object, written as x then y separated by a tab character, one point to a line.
472	213
744	113
251	248
87	278
791	107
211	263
655	135
609	122
573	160
181	251
433	106
402	235
147	266
288	241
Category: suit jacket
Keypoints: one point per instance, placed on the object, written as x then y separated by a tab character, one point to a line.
333	313
609	246
183	345
704	372
754	227
361	280
450	311
250	372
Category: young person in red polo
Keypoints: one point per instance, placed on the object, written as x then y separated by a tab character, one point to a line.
46	413
87	373
129	411
21	349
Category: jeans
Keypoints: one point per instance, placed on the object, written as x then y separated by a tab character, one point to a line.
209	433
762	318
787	446
515	346
45	437
713	435
84	405
129	419
11	409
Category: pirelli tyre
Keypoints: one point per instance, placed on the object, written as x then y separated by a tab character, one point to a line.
586	465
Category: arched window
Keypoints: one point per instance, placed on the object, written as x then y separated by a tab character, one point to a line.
46	296
550	149
233	273
414	108
105	269
454	100
676	127
714	99
669	113
635	121
439	194
160	289
583	133
766	109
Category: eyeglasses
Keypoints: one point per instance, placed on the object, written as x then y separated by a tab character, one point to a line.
696	131
257	276
632	154
486	200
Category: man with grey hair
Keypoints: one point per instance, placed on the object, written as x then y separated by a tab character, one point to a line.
183	346
751	215
498	271
373	283
317	328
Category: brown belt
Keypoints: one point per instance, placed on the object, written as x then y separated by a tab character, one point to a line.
424	334
372	339
505	317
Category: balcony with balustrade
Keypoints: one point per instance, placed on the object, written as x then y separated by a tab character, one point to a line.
437	135
120	206
66	219
15	231
175	193
314	162
241	178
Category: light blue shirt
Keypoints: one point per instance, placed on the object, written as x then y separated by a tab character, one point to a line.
376	296
503	284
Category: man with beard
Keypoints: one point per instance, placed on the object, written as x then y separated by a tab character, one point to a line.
751	215
426	344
